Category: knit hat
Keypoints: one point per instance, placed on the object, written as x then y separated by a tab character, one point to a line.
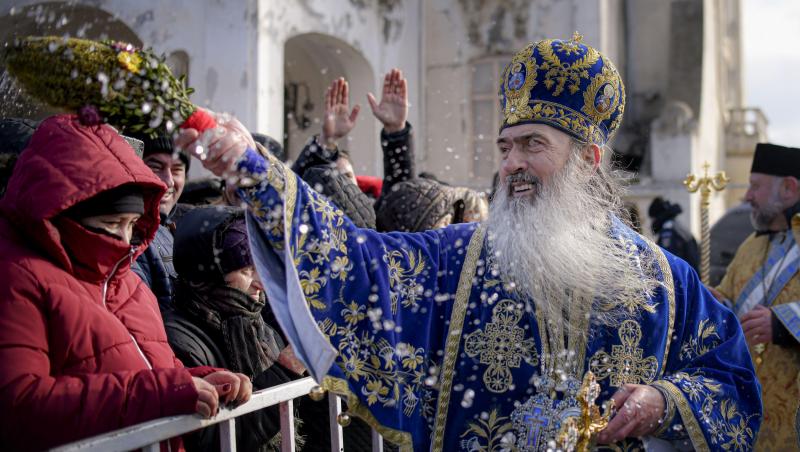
234	252
126	198
413	205
776	160
210	242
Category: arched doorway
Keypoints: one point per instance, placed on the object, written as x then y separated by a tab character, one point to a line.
311	62
67	19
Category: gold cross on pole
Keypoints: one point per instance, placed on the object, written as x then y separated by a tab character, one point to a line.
705	185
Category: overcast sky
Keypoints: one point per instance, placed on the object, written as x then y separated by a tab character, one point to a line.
771	31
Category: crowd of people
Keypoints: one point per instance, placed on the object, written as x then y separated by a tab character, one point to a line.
448	321
118	294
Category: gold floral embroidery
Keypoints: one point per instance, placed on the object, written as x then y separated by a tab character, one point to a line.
501	346
403	285
565	118
519	77
601	98
453	341
560	74
493	434
727	428
705	340
625	364
392	374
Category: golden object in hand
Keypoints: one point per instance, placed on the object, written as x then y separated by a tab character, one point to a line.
576	433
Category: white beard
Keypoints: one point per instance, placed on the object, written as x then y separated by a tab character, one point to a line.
556	250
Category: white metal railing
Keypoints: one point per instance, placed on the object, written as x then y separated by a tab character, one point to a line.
148	435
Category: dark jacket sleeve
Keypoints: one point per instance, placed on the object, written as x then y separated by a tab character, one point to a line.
314	155
142	269
398	157
344	193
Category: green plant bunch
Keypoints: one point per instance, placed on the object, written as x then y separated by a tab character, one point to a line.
132	89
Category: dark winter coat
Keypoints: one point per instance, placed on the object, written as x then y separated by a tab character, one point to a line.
676	239
343	193
315	165
414	205
670	235
82	344
197	342
14	136
398	158
156	268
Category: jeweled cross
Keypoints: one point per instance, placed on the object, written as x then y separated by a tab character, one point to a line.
537	423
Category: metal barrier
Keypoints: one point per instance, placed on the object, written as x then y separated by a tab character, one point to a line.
148	435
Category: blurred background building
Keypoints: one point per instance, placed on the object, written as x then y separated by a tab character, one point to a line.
269	62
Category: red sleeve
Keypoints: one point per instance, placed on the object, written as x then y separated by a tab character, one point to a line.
39	411
199	371
202	371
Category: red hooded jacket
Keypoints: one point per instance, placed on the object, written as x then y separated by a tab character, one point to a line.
82	344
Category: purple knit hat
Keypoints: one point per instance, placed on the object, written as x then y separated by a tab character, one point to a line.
233	251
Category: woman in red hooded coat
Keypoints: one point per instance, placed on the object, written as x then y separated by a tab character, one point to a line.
82	344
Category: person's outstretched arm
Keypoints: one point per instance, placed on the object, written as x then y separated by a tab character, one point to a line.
396	136
361	309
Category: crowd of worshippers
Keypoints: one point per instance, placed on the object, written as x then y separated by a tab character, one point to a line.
78	210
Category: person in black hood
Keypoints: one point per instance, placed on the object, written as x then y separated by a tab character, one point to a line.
217	317
670	234
14	136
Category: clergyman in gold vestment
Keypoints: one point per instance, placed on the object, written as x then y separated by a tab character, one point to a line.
762	286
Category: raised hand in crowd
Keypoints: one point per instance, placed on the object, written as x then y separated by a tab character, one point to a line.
392	110
339	119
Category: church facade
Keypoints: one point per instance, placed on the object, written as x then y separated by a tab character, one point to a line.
269	62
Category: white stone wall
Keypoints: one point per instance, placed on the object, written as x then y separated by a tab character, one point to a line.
239	62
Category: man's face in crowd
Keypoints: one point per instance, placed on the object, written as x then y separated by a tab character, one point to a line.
532	154
172	171
344	166
764	196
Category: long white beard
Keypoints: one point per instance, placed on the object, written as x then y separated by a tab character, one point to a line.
556	250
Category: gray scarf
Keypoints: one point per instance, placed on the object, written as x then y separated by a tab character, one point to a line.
251	346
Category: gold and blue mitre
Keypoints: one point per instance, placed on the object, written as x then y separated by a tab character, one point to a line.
564	84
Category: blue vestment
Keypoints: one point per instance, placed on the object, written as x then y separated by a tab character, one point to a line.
434	351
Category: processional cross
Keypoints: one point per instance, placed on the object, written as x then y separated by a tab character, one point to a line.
705	184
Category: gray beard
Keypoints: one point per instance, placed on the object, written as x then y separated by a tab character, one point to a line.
556	251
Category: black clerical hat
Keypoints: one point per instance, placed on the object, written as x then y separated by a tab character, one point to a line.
776	160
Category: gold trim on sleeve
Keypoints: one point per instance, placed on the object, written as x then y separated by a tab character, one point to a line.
454	334
669	286
687	415
398	437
